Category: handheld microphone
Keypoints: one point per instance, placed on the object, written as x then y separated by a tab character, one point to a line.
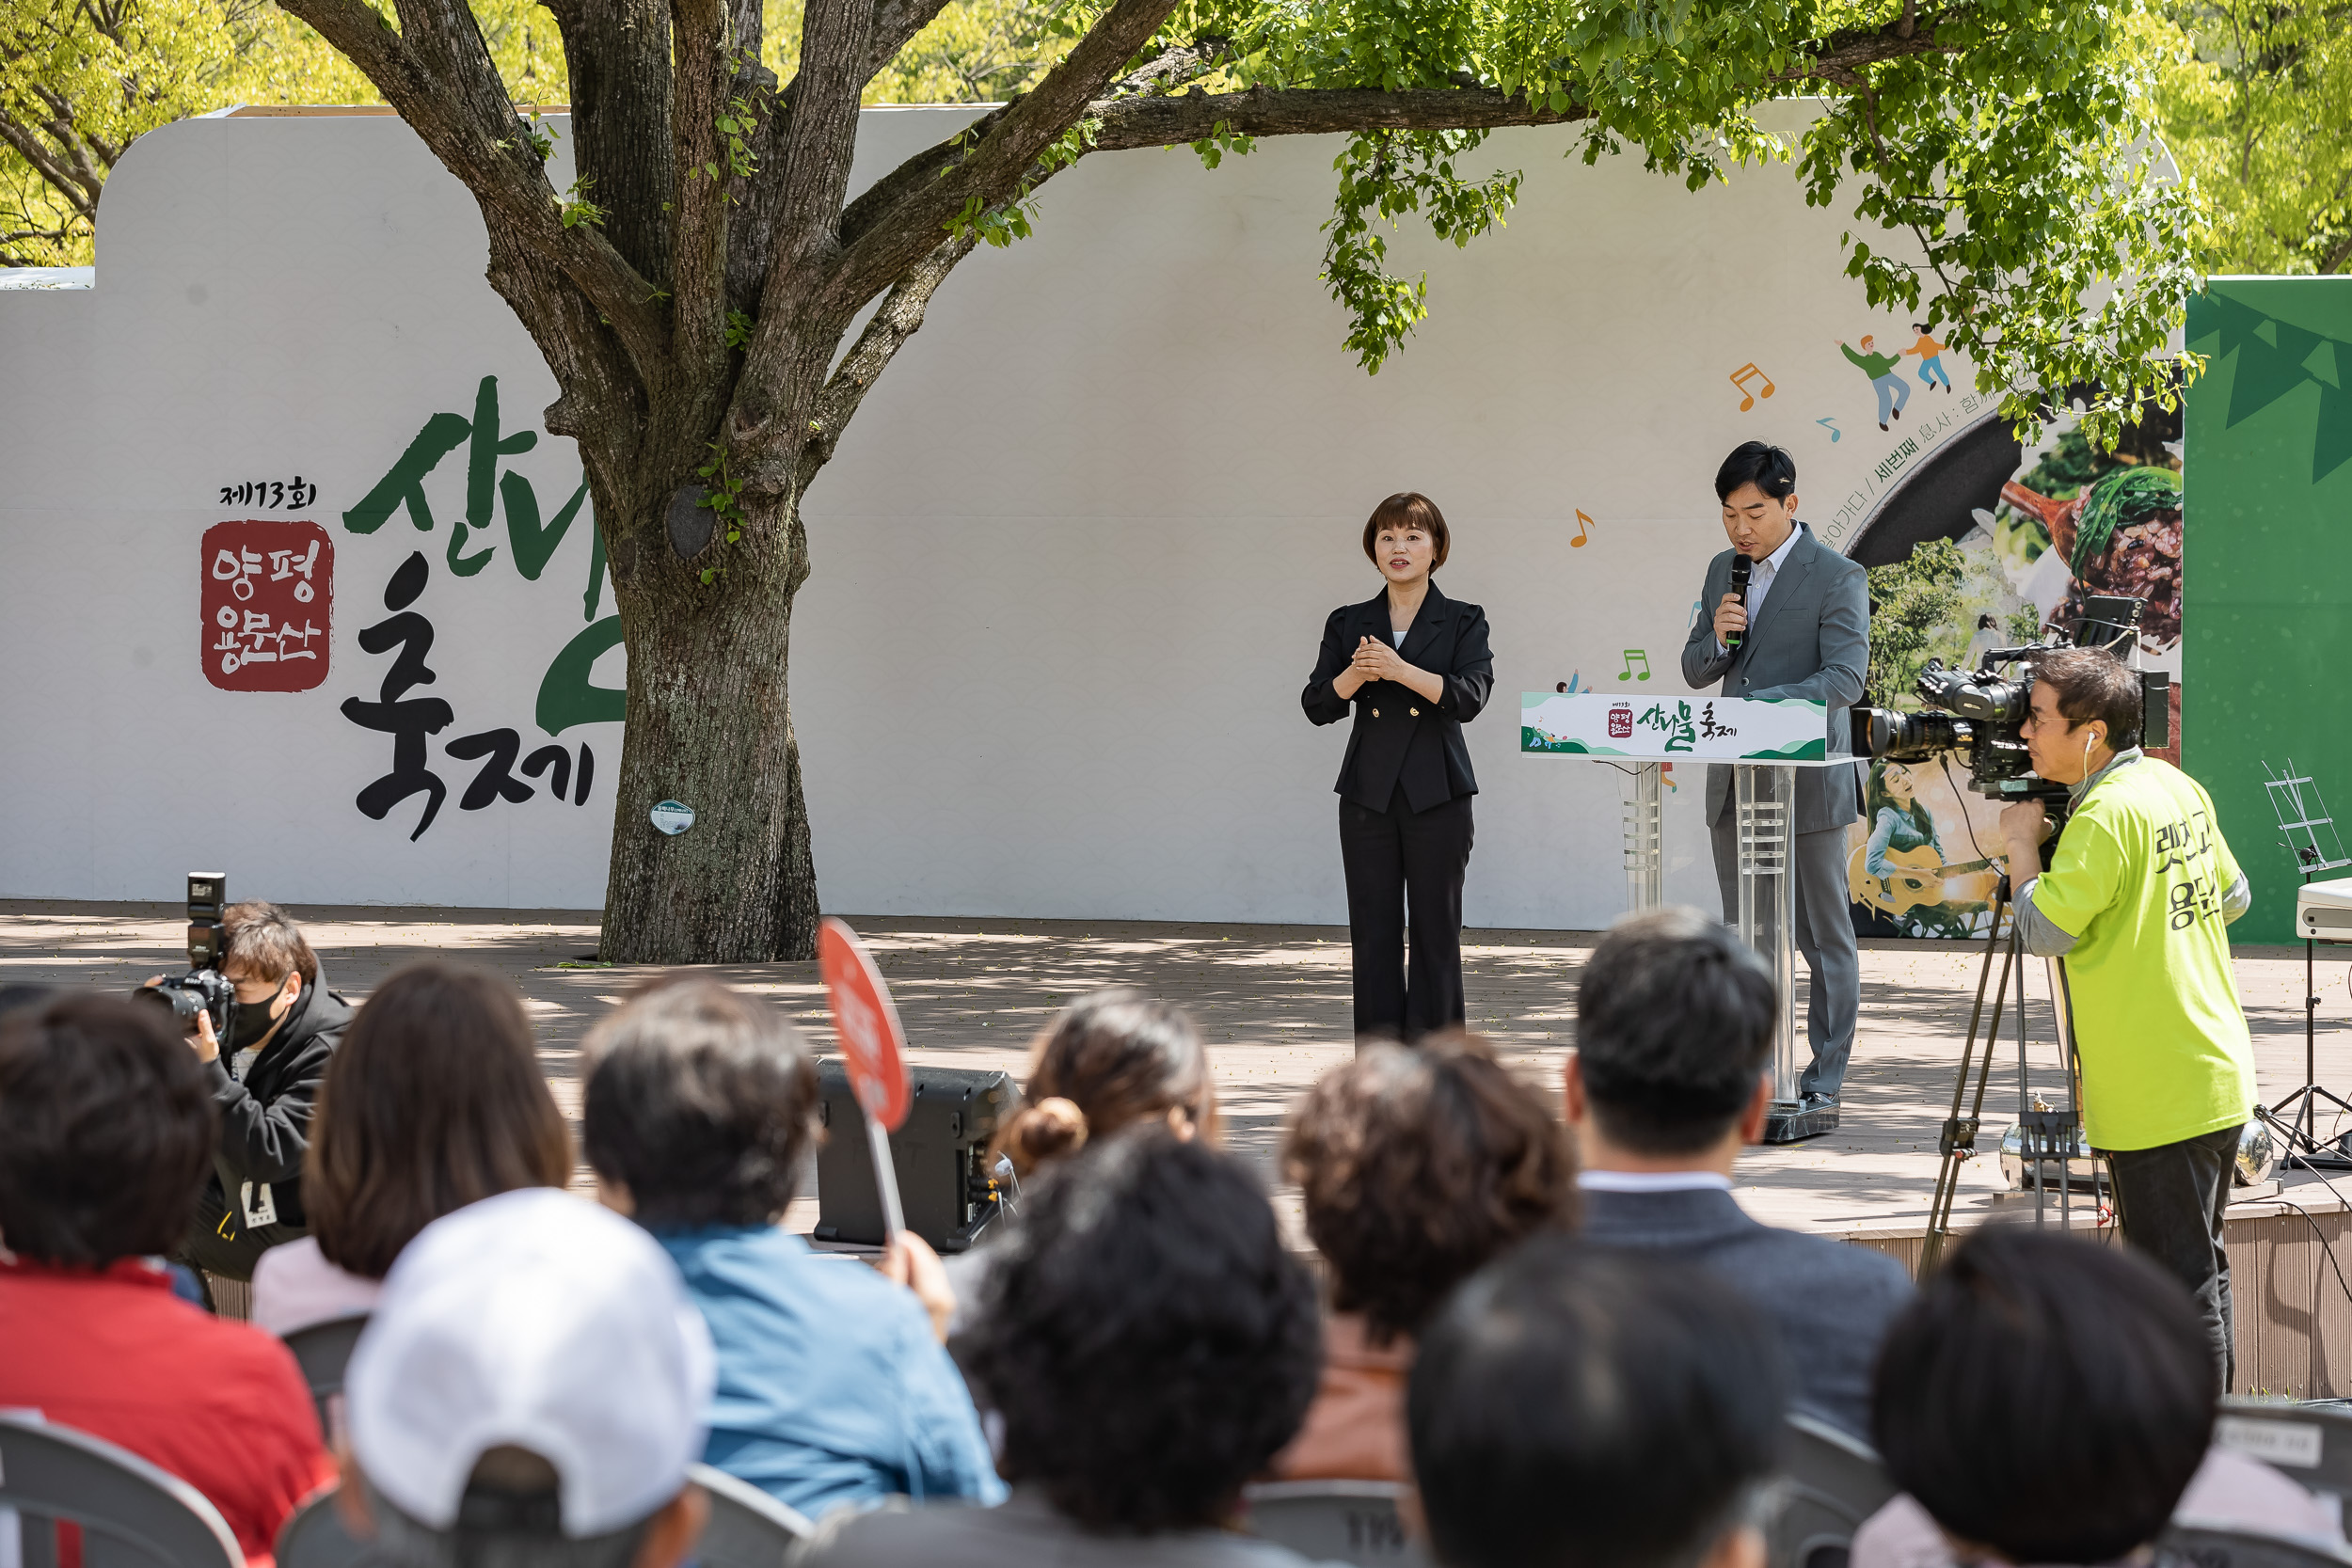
1741	567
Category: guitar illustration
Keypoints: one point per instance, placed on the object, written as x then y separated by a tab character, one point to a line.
1917	876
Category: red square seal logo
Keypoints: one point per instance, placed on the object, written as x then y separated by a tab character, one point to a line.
1621	722
268	592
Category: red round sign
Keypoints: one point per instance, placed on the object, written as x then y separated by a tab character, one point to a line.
866	1024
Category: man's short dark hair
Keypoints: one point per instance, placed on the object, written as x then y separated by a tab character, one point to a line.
106	1131
1769	469
263	939
2046	1397
1674	1026
1145	1338
1418	1165
2092	683
1576	1405
702	1102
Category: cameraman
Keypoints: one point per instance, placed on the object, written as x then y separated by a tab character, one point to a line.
2136	901
264	1079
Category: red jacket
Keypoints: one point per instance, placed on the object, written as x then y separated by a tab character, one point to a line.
221	1405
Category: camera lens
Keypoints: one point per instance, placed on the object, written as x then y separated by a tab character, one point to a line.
184	1005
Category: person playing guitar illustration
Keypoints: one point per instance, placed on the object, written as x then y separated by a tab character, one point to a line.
1901	871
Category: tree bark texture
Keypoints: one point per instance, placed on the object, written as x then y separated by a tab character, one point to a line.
710	726
691	294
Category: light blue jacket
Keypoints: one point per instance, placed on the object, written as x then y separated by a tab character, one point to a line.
832	1391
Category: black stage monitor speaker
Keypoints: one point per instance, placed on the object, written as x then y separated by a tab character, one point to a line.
941	1153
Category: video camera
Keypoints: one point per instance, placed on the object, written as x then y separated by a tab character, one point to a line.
203	988
1982	713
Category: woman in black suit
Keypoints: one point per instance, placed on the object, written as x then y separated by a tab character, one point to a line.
1416	667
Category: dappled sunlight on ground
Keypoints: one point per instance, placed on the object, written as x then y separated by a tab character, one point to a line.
1273	1004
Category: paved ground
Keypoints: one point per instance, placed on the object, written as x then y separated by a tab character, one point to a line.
1272	1000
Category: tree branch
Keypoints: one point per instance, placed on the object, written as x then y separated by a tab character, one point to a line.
701	179
1132	122
994	160
462	113
898	319
78	194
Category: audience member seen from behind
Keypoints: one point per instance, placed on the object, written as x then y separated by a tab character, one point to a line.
433	1100
1109	1060
528	1394
106	1130
1581	1407
1670	1080
1147	1345
2048	1400
1417	1166
832	1388
266	1080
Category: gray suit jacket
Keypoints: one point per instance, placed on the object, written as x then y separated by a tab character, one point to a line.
1813	641
1831	1301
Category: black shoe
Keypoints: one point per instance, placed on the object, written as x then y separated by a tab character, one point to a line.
1815	1100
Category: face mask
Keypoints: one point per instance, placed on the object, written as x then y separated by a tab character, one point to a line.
252	1022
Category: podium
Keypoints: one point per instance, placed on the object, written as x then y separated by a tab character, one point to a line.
1765	744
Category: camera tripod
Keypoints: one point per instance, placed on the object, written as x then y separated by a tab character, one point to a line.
2043	1135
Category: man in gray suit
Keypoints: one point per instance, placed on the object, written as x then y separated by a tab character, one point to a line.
1669	1082
1802	631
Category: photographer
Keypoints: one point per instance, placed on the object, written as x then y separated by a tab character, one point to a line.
2136	901
264	1080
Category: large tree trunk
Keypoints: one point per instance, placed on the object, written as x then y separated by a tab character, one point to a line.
710	726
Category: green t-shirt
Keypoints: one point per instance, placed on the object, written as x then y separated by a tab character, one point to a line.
2138	880
1873	365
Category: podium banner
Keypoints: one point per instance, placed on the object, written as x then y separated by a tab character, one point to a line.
1667	729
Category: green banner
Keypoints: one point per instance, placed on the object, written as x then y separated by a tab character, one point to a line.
2269	474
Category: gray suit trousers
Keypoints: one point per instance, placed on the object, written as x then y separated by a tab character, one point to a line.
1825	937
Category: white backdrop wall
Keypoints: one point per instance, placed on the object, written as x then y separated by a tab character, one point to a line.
1071	564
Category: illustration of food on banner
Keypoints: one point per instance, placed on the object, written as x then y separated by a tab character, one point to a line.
1985	545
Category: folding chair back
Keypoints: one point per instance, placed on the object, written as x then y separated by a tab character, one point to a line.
1335	1521
322	1351
1832	1483
133	1515
748	1529
314	1537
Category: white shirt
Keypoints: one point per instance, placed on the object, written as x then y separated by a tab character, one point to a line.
1649	1180
1760	579
295	1285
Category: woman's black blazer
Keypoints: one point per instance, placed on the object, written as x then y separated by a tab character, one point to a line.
1402	737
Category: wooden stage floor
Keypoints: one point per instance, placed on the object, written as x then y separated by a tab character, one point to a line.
1273	1002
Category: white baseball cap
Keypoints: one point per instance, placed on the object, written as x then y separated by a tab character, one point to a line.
539	1319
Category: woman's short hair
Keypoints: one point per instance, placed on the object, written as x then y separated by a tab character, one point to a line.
2046	1397
1146	1340
1409	509
1111	1057
1418	1163
433	1100
701	1101
106	1131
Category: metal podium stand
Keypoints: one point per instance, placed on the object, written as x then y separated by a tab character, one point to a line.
1763	798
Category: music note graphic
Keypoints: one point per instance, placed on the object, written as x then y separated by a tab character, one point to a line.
1583	526
1740	378
1632	658
1834	432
